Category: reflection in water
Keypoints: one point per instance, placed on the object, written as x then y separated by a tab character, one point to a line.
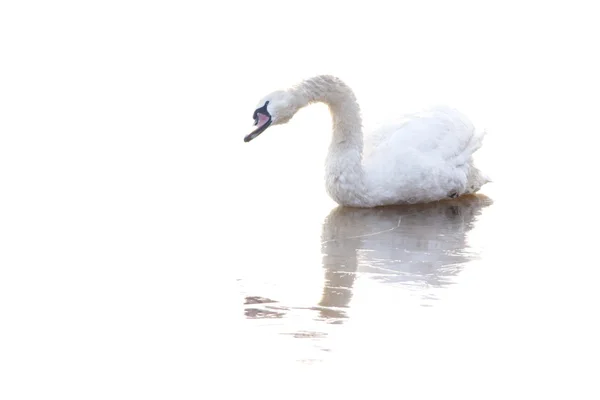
270	311
417	246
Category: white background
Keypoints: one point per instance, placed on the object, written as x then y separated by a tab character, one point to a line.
128	198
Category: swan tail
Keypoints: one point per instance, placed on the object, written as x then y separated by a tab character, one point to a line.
476	179
474	144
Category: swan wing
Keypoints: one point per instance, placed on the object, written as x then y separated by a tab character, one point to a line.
441	135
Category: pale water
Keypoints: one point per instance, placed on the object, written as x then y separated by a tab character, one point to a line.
148	252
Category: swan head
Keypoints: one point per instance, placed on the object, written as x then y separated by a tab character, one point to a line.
274	109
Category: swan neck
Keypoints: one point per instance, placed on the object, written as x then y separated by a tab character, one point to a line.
345	111
344	173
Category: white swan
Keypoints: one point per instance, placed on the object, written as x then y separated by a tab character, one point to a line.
421	158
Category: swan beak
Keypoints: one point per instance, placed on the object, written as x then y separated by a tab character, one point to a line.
263	121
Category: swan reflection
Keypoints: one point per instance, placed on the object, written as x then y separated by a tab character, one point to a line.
417	246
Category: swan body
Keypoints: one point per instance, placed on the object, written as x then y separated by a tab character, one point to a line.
420	158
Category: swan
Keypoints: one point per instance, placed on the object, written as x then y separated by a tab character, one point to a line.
420	158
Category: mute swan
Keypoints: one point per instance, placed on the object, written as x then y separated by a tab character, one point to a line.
423	157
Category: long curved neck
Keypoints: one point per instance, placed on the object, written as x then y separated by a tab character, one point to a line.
344	174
